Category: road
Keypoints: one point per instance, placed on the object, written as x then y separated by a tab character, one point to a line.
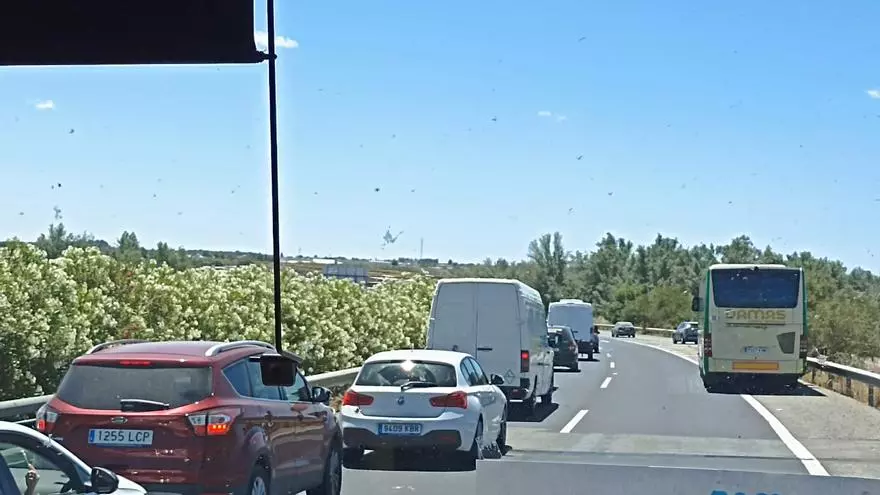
641	403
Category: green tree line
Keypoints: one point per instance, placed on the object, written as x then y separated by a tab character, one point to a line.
652	285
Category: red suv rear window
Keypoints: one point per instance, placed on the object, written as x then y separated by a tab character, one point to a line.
102	386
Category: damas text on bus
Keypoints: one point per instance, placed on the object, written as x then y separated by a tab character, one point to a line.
756	316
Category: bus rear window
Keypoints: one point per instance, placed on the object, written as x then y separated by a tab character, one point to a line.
749	288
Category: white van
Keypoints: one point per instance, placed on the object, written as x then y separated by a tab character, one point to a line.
577	315
503	325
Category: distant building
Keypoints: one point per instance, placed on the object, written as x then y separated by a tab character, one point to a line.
358	274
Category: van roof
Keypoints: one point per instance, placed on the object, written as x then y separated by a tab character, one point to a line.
570	302
503	281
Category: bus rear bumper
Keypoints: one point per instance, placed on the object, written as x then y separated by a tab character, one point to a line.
721	380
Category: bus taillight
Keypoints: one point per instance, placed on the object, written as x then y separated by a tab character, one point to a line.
707	345
805	345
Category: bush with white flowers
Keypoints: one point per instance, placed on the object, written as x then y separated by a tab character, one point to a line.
51	311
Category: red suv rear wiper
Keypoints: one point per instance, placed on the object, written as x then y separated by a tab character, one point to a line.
142	405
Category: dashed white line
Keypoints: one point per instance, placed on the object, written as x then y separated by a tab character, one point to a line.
608	354
574	421
606	382
809	461
813	466
612	365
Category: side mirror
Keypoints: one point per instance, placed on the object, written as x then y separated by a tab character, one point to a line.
277	370
497	379
103	481
695	304
321	395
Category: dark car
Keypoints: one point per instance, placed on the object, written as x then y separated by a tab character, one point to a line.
686	331
565	348
195	417
622	328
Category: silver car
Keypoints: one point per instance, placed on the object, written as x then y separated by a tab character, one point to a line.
30	459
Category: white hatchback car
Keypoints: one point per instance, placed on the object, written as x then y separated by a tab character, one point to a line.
422	398
26	454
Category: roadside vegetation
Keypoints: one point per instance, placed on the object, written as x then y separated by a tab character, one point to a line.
63	293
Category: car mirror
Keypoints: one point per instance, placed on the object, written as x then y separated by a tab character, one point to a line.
277	370
103	481
695	304
321	395
497	379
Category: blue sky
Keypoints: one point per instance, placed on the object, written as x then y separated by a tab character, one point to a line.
701	120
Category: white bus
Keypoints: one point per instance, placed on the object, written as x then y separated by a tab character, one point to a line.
577	315
754	319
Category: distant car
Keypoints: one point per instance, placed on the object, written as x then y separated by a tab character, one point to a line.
686	331
423	399
58	469
565	349
195	417
622	328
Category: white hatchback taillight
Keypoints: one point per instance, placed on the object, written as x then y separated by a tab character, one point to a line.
213	422
46	419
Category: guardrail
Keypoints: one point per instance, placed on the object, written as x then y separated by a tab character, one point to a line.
853	382
18	407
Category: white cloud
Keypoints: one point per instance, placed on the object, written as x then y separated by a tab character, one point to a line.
45	105
560	118
545	113
874	93
262	40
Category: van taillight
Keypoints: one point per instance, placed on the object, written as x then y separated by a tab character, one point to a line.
352	398
524	361
572	347
805	345
213	422
455	399
707	345
46	419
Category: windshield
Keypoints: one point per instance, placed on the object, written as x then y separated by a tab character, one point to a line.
747	288
194	172
400	372
104	386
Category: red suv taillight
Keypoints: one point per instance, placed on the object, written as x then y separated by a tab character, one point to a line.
524	361
352	398
707	345
46	419
213	422
455	399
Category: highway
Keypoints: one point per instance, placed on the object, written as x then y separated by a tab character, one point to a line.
641	403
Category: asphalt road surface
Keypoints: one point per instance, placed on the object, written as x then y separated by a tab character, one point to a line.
641	404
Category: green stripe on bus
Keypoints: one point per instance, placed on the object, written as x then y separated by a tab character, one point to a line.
706	329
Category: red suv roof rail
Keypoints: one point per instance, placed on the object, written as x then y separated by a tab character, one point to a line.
228	346
114	343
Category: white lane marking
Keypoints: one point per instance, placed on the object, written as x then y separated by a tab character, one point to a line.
607	354
606	382
574	421
813	466
614	374
605	341
667	351
809	461
612	365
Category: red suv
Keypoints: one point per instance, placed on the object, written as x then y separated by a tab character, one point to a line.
196	418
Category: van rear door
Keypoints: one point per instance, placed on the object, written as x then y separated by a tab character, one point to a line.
499	339
453	324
